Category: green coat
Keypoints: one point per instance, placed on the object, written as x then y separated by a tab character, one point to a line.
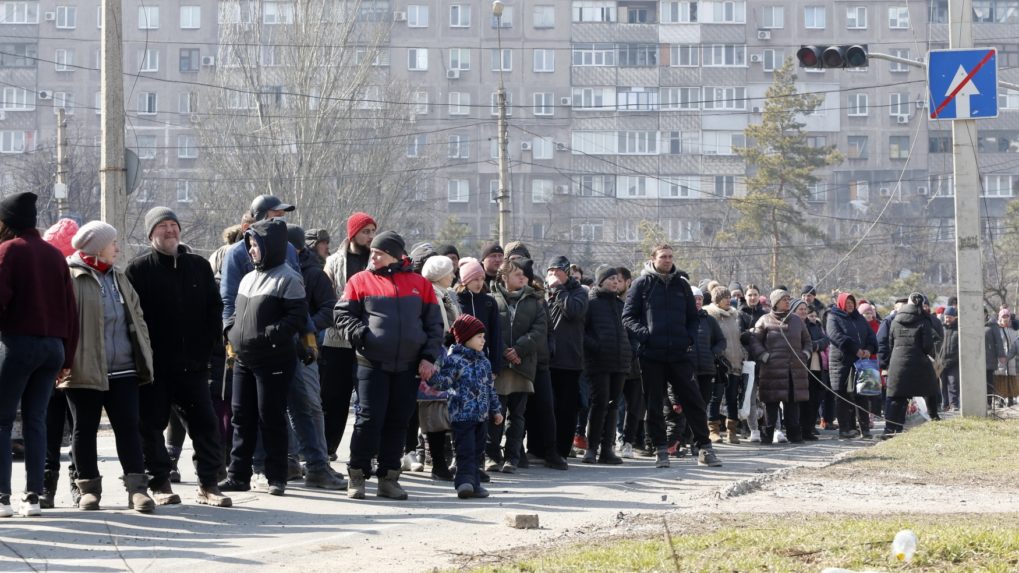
524	330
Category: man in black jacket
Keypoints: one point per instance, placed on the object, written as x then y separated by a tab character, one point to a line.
567	309
950	361
661	312
183	310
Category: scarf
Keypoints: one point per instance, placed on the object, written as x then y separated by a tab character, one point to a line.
95	263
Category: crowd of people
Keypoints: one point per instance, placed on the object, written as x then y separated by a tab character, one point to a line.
471	366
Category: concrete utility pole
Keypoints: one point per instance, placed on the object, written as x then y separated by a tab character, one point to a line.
504	179
60	188
112	178
968	262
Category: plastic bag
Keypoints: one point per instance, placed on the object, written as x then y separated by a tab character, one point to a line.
747	381
916	412
868	377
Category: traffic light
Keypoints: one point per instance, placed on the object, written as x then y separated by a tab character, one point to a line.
823	57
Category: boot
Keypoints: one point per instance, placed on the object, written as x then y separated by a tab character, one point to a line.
91	492
389	486
767	434
554	461
355	487
163	494
590	456
608	456
174	470
49	489
138	499
714	433
662	457
212	495
731	431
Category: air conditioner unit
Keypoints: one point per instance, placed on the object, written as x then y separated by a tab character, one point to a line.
755	58
195	118
452	74
562	189
560	147
208	61
49	16
885	191
45	95
399	16
525	146
756	109
566	101
923	190
902	119
764	34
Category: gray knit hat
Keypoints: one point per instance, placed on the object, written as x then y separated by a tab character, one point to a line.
157	215
93	237
777	295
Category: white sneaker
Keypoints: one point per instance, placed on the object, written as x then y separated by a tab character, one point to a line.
5	506
259	482
30	505
780	437
755	436
416	463
405	463
627	451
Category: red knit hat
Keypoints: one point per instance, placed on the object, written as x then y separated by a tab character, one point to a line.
358	221
466	327
60	234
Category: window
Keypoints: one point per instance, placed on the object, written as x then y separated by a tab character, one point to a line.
145	146
898	67
506	20
638	142
898	17
627	230
17	55
64	101
680	142
597	186
680	230
543	148
502	62
417	16
729	12
460	16
722	142
857	105
378	57
817	141
1008	99
587	229
185	191
681	98
148	17
857	146
898	104
18	99
458	191
679	12
544	60
684	55
541	190
63	60
369	98
544	104
725	186
594	142
494	107
19	13
147	103
725	55
190	17
459	147
459	59
856	17
773	17
594	54
188	102
459	103
187	147
417	59
725	98
772	60
148	60
277	12
637	99
67	17
680	187
594	98
16	141
638	15
898	146
544	16
638	55
814	17
594	11
817	192
632	186
190	59
942	185
939	143
997	186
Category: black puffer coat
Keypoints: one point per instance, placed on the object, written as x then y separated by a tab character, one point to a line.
950	347
848	333
708	344
911	343
606	342
567	305
660	310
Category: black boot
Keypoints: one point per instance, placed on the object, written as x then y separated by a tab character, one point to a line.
767	435
49	489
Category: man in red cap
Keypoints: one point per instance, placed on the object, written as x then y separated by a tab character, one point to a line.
337	361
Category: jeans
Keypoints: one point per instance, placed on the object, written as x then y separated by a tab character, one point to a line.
187	395
566	397
28	369
658	376
58	416
513	407
606	388
895	415
469	440
260	407
540	415
337	373
950	387
732	384
633	392
121	405
584	404
387	401
306	418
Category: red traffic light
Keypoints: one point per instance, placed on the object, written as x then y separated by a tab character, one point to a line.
809	56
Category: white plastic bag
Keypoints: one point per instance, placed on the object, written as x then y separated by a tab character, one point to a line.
747	382
916	412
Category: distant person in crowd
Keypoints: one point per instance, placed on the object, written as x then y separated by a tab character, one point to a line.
492	257
908	360
567	307
851	339
317	241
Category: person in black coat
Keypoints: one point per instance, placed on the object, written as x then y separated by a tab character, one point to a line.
607	361
567	307
709	344
851	339
949	354
911	344
819	384
474	301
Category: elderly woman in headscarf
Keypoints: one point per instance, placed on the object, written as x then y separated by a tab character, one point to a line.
851	339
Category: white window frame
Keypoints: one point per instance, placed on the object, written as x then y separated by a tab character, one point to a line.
185	191
417	59
896	150
504	21
1002	186
854	149
594	55
541	190
898	104
678	12
148	17
722	142
543	17
728	11
65	101
19	13
857	105
598	98
543	104
417	16
148	103
458	191
542	148
18	99
187	146
637	98
856	17
681	98
67	17
503	63
725	97
459	103
725	56
458	146
680	187
638	142
599	11
422	104
460	59
190	17
815	17
769	21
145	146
685	55
544	61
898	67
148	60
16	141
459	16
63	60
630	186
724	186
898	18
187	102
494	105
417	145
772	59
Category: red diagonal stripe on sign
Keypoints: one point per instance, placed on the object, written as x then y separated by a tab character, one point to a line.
962	84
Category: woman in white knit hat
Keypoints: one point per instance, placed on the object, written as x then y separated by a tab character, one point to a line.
114	357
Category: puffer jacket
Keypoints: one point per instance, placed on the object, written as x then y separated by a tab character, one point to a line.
606	342
567	305
729	321
661	312
819	342
336	269
950	347
318	289
781	345
709	343
848	333
466	378
484	308
271	309
524	325
911	341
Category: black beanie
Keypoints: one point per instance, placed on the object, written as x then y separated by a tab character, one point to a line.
490	248
449	250
605	273
295	236
391	243
18	211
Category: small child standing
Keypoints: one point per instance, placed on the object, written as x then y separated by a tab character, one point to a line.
466	375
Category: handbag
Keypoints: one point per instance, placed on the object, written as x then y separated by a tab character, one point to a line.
433	415
867	377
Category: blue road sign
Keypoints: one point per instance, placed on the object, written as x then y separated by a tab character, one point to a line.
963	83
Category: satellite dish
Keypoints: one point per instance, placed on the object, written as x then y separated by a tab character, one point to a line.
133	167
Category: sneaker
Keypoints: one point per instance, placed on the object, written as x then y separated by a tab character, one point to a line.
416	465
405	462
465	491
30	505
324	479
295	470
755	436
277	487
556	462
867	435
259	482
780	437
231	484
580	442
627	451
5	505
509	468
707	457
849	435
441	473
662	458
493	466
810	437
590	457
480	492
484	477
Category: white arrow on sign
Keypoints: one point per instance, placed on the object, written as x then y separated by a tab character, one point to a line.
962	107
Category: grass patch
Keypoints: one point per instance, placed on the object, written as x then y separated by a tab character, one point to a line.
964	451
794	544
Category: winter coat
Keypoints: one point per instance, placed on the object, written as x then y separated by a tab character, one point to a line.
236	265
484	308
819	344
949	353
337	269
272	308
391	317
661	312
182	309
911	345
708	344
567	305
524	325
36	294
994	348
606	343
749	315
318	290
848	333
781	345
90	369
466	376
728	321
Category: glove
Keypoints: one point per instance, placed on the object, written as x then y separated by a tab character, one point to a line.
231	356
310	346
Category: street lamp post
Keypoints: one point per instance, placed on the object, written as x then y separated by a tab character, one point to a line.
504	197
